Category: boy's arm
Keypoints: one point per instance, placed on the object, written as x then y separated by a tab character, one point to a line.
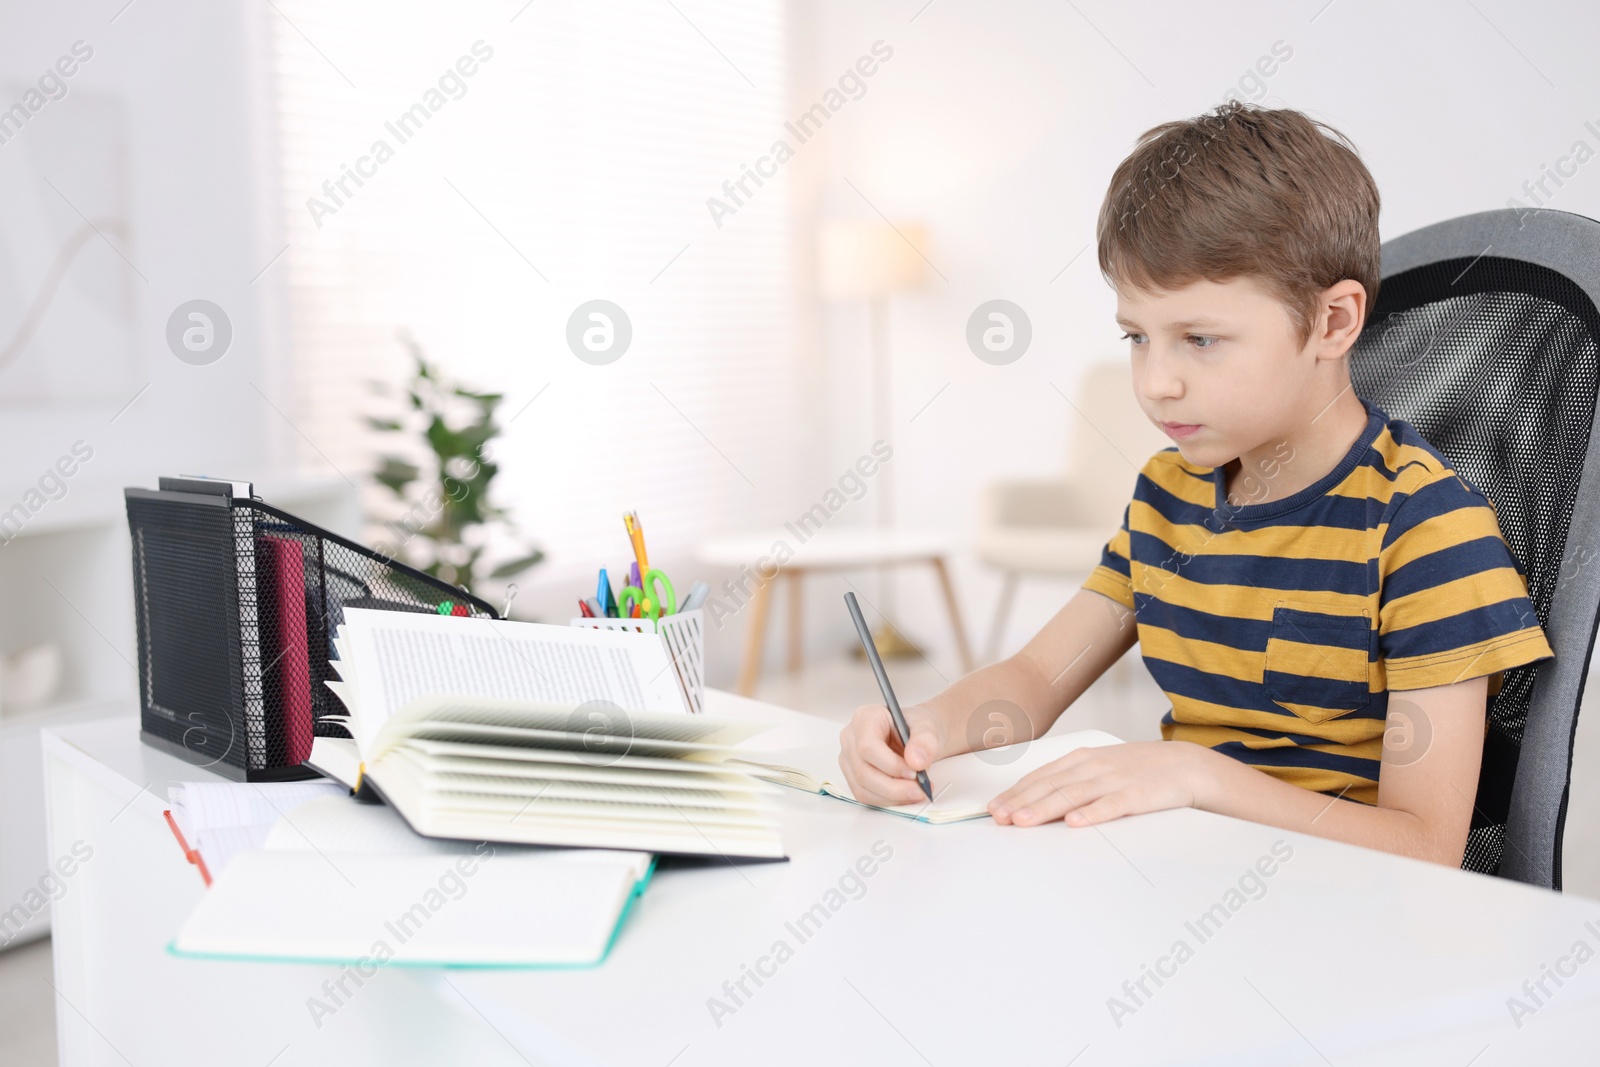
1014	700
1432	752
1429	776
1082	640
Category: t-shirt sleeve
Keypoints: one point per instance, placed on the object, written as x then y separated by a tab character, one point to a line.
1113	576
1454	602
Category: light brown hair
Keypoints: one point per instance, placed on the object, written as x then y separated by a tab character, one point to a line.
1243	191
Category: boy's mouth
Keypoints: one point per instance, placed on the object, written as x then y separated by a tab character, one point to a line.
1179	430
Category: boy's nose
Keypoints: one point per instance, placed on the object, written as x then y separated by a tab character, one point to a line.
1156	380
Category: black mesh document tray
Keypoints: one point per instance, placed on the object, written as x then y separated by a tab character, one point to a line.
236	605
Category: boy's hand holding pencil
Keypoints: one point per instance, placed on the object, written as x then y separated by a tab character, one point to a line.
879	769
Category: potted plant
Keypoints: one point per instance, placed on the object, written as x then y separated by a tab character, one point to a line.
447	514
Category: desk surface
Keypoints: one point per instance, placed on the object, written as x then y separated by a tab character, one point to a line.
975	943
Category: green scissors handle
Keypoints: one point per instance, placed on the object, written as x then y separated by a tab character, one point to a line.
655	599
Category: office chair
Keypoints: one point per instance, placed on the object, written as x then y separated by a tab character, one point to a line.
1484	336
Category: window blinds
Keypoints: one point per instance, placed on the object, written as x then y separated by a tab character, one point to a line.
475	172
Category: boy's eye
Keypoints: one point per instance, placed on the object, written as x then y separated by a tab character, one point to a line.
1209	342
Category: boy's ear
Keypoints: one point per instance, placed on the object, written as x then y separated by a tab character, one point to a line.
1344	311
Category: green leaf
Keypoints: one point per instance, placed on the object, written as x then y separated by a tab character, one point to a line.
396	473
444	441
460	431
473	438
419	591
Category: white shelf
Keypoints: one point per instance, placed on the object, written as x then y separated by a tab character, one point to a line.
13	724
23	852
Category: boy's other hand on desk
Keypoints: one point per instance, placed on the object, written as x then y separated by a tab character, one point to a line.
878	769
1094	785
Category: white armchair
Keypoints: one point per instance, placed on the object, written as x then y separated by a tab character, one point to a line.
1057	527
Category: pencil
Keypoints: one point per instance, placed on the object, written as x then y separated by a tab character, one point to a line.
883	683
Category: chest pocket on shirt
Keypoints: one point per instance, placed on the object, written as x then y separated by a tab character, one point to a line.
1317	664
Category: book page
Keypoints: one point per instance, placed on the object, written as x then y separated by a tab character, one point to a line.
203	806
342	825
684	774
962	785
516	754
806	767
336	758
685	732
399	657
527	811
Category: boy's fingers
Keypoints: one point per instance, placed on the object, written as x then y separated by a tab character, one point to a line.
1054	768
922	749
926	743
875	787
1113	805
1032	786
874	751
1019	798
1048	800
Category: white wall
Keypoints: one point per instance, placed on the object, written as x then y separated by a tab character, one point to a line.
184	80
998	126
995	125
159	141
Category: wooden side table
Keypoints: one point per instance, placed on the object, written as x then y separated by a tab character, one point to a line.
824	550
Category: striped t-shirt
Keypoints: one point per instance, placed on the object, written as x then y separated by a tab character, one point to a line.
1277	629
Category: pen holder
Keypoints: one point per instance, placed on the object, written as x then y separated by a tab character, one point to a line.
685	636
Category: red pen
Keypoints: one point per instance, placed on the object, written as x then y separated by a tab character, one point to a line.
583	607
188	853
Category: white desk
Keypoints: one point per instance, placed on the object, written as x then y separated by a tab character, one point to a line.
972	944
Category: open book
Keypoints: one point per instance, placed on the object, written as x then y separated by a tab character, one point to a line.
337	882
488	730
962	785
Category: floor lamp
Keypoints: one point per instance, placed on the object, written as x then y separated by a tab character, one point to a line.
869	259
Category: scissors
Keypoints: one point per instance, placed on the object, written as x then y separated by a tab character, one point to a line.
655	597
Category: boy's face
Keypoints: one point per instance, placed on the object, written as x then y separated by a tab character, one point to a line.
1217	367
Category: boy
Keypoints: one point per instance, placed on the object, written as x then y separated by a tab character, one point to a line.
1299	570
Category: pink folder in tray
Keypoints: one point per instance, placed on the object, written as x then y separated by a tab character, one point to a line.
284	604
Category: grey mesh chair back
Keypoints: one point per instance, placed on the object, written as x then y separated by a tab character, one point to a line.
1484	336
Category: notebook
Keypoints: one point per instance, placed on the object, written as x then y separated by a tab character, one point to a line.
346	883
214	821
489	730
962	785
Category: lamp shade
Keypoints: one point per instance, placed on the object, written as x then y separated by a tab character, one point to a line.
862	259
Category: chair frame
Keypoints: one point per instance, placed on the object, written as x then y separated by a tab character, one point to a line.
1570	245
